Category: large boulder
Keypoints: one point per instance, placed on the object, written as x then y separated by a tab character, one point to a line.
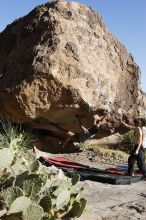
61	61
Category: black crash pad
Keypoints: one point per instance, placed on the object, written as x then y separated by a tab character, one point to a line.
89	173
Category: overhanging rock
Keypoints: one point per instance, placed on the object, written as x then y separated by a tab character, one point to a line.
60	61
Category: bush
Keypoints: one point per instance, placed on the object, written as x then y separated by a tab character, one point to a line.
128	137
126	142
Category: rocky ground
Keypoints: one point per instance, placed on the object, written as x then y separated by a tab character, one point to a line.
105	201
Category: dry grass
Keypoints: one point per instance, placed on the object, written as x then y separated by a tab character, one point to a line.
106	151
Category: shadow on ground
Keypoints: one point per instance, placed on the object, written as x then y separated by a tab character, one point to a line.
53	145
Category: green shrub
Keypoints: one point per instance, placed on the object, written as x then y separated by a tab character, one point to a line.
128	137
126	142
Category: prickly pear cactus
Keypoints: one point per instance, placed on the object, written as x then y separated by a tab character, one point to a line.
33	212
64	185
30	184
62	198
78	207
6	157
75	179
46	203
19	204
28	191
34	167
10	194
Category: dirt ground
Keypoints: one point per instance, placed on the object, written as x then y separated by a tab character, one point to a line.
106	201
112	202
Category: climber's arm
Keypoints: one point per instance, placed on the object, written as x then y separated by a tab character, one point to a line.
81	126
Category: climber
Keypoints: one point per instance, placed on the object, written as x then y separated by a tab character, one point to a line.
87	133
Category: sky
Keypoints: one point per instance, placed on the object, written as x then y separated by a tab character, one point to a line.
126	20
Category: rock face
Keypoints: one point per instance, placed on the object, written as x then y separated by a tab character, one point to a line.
59	61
